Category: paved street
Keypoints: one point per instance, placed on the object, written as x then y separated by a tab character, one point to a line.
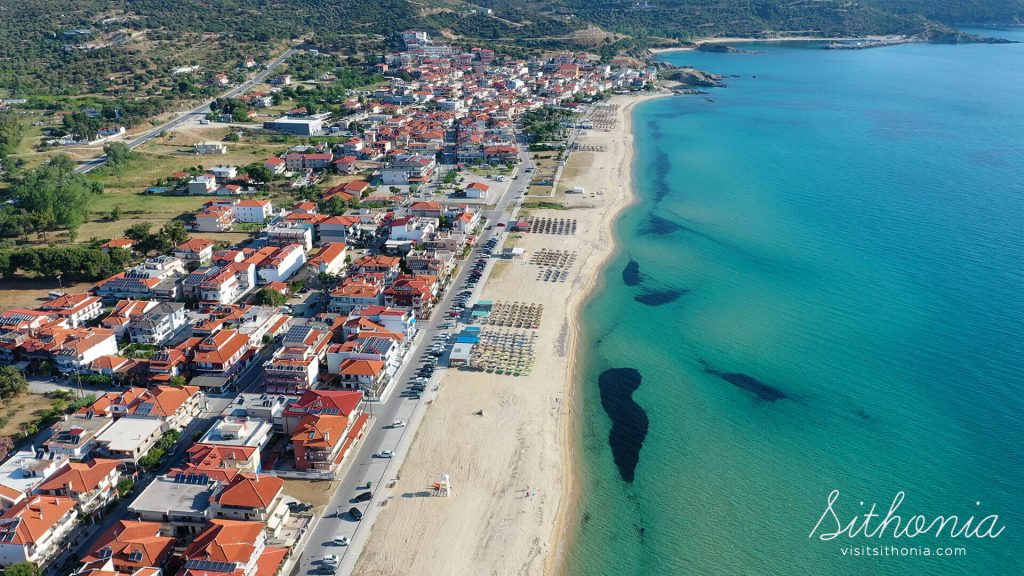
196	113
362	465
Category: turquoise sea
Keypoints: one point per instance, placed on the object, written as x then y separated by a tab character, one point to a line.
820	287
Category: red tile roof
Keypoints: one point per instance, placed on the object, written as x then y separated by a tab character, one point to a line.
318	401
128	537
80	477
225	541
251	491
37	516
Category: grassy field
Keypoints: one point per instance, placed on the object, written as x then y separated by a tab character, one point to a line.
159	159
501	170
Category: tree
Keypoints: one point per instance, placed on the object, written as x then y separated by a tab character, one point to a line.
139	232
240	114
175	232
6	447
258	172
115	213
50	197
334	206
12	382
268	297
231	137
118	154
178	381
12	131
22	569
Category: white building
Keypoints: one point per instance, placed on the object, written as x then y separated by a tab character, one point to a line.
253	210
408	169
75	434
224	172
284	234
330	259
180	503
158	324
281	265
202	185
210	148
78	354
34	530
300	126
129	439
243	431
23	471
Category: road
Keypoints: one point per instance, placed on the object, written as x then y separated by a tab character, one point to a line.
363	466
198	112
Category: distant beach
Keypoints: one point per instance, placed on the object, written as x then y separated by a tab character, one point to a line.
737	40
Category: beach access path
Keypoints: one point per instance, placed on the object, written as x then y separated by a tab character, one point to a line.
510	465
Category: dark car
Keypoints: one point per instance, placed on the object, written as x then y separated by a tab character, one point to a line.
363	497
355	513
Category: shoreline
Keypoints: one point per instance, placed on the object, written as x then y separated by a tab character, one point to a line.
735	40
569	501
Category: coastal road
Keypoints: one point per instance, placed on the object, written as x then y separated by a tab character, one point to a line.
196	113
363	466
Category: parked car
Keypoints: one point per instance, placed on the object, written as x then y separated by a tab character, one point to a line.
341	541
331	560
398	424
363	497
355	513
383	454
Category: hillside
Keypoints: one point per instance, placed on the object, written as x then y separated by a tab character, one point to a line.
111	48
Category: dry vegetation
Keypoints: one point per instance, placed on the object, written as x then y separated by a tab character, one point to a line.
21	410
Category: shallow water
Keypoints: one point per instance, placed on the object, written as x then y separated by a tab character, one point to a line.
821	288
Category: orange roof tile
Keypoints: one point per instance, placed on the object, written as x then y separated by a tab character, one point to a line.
80	477
225	541
37	516
128	537
251	491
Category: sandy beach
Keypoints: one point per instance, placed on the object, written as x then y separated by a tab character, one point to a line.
510	467
733	40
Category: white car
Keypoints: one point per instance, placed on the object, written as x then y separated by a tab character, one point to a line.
331	560
398	424
341	541
384	454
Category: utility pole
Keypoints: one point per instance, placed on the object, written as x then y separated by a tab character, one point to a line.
78	376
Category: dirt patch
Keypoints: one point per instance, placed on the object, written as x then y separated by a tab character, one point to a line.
31	292
20	410
317	493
